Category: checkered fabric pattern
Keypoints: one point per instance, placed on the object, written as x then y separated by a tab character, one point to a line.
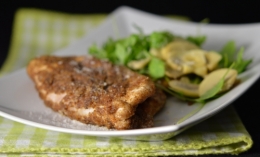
38	32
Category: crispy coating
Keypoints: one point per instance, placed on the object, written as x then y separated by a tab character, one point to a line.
148	109
95	91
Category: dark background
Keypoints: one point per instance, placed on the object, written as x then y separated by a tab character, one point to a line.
222	12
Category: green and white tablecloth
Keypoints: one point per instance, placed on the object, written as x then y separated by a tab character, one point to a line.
38	32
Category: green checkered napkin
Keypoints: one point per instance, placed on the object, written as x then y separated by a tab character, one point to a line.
38	32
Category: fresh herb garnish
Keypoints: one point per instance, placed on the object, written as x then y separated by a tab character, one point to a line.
198	40
230	56
156	68
159	39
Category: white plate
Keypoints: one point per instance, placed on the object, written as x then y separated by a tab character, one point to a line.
19	101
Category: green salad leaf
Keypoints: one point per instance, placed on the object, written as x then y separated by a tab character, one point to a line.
159	39
230	56
240	64
97	52
198	40
121	53
156	68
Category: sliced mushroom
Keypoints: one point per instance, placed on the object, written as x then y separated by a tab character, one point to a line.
138	64
174	63
213	59
177	47
194	57
214	77
192	61
201	71
184	88
172	73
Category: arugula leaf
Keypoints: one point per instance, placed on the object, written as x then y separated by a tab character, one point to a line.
229	57
107	51
159	39
240	64
197	40
228	52
95	51
156	68
121	53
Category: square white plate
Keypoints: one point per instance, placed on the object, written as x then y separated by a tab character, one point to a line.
19	101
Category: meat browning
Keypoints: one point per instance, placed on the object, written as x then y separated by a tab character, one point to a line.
96	92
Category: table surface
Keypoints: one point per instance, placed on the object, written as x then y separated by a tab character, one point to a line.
222	12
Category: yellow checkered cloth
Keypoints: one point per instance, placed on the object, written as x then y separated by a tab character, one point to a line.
38	32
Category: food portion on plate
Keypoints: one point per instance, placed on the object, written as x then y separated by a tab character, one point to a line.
123	84
96	91
178	65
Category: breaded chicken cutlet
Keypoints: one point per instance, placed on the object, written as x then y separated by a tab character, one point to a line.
96	92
